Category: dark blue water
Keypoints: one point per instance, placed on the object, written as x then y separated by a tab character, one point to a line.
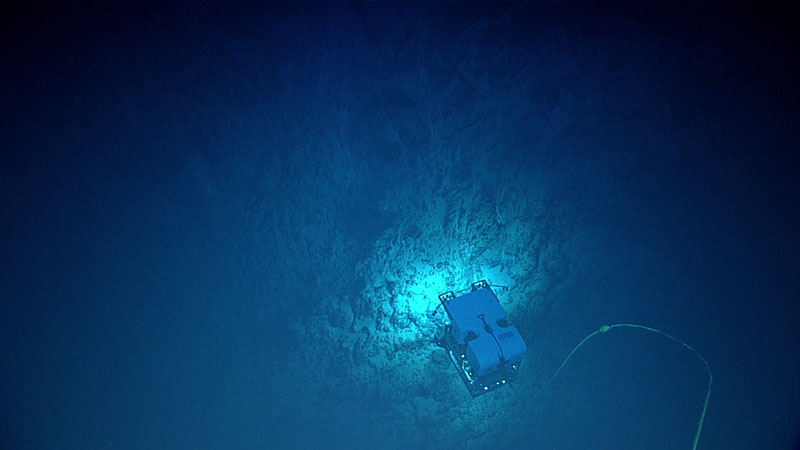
227	226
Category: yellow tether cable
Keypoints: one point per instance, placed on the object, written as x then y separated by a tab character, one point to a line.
605	329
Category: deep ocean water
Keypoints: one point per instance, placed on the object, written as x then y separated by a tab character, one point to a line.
226	226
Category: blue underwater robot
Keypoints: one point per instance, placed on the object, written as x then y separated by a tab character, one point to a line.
484	347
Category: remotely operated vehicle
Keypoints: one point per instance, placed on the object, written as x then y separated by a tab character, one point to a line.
486	350
484	347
